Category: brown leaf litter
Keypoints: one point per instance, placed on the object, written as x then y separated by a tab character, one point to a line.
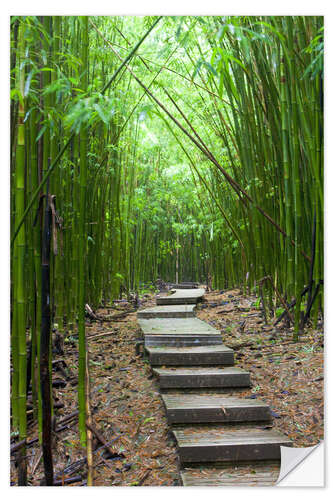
127	408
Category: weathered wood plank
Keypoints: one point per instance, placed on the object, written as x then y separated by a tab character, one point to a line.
178	332
185	286
196	377
196	408
186	340
240	475
168	311
191	356
187	348
181	296
169	325
228	444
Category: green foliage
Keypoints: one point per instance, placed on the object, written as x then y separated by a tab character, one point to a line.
241	206
279	311
88	111
316	48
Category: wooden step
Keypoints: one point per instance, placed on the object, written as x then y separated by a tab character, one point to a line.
195	377
228	443
168	311
186	340
197	408
174	325
185	286
191	356
257	474
178	332
181	296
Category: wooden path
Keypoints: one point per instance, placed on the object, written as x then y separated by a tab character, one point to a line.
181	296
222	440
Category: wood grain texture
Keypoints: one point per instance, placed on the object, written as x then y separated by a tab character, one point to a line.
202	377
168	311
192	355
212	426
196	408
169	325
178	332
228	444
181	296
186	340
241	475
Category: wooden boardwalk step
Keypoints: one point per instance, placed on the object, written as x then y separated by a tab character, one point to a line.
178	332
228	443
191	356
185	286
196	408
181	296
217	433
195	377
258	474
168	311
174	325
185	340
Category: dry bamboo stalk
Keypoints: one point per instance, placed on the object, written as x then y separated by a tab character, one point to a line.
90	461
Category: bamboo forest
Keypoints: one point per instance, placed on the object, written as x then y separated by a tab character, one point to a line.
166	218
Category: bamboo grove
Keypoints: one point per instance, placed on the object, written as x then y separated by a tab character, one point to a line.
140	145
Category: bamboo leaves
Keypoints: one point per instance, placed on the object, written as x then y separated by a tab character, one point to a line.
210	166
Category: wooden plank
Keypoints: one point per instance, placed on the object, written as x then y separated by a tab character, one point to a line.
181	296
186	340
196	377
158	326
167	311
228	443
178	332
191	356
185	286
196	408
257	474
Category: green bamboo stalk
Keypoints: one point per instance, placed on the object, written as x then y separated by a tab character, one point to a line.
82	245
67	143
36	266
45	346
20	288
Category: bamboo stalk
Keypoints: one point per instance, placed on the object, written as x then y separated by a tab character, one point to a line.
45	347
90	463
82	244
67	143
20	287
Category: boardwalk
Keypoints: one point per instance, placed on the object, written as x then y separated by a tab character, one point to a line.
174	331
187	296
218	435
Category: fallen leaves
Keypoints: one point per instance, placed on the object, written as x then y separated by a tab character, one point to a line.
127	407
285	374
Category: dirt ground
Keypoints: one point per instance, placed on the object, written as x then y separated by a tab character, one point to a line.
127	409
288	375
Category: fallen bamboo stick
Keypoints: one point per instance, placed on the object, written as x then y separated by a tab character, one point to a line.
90	461
99	335
101	439
67	480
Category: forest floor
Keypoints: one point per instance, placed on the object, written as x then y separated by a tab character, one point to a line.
287	375
127	408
